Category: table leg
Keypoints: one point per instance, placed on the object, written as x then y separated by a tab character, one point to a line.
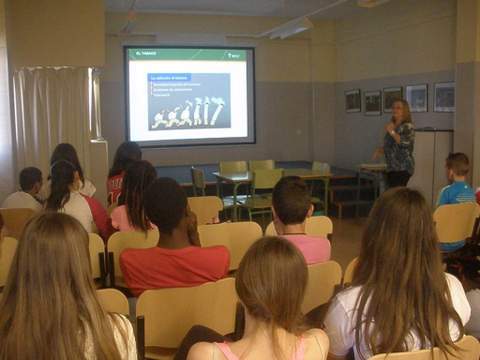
235	205
219	184
326	185
357	206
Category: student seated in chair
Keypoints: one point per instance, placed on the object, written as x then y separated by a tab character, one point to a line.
30	180
292	206
459	191
400	298
270	283
177	260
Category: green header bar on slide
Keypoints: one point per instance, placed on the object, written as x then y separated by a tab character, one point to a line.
187	54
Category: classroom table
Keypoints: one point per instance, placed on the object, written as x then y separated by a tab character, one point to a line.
245	178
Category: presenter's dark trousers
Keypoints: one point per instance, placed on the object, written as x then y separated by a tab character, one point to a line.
397	178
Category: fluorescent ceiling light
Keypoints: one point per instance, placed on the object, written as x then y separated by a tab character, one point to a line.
290	28
370	3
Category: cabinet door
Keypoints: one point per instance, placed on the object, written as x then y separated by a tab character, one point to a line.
443	147
424	154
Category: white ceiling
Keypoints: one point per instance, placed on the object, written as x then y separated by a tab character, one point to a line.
283	8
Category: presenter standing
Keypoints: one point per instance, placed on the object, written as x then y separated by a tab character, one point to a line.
398	145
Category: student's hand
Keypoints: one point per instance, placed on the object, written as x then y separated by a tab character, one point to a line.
192	228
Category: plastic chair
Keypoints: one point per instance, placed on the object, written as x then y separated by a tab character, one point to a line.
227	167
113	301
348	276
323	279
469	350
207	208
236	237
455	222
165	316
8	247
96	248
261	165
198	181
314	226
15	220
261	203
122	240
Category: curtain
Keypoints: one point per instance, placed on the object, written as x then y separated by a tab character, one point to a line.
51	107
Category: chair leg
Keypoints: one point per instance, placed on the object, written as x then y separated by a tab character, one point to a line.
141	338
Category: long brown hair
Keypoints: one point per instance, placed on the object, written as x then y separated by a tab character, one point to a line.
271	282
49	307
407	114
403	286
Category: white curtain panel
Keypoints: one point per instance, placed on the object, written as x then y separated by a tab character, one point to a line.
51	107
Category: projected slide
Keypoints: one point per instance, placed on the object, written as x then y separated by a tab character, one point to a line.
187	96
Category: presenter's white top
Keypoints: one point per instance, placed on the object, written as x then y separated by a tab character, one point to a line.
86	188
21	200
77	207
341	318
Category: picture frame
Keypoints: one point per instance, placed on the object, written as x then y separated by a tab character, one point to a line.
444	97
390	95
373	102
353	101
417	97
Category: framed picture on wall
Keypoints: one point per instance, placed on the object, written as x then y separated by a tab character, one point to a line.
373	103
353	101
390	95
444	99
417	97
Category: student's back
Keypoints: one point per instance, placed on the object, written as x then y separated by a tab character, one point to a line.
400	299
49	308
458	191
30	180
292	205
270	283
178	260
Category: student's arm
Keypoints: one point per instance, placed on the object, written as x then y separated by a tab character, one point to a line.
100	218
443	197
201	351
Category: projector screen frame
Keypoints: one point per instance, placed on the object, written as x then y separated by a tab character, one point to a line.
126	74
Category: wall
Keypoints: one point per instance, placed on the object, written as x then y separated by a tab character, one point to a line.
289	124
56	32
401	43
6	148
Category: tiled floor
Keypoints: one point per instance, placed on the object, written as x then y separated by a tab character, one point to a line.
347	234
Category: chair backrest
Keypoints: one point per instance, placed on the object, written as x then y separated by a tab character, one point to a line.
8	247
122	240
261	165
206	208
455	222
226	167
348	275
96	247
170	313
15	220
323	278
113	301
315	226
198	181
321	167
236	237
469	350
266	179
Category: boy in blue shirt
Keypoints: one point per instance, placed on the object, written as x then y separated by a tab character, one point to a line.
459	191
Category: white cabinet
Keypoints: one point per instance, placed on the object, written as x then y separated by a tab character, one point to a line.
431	149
